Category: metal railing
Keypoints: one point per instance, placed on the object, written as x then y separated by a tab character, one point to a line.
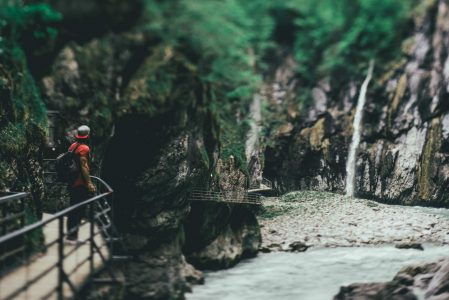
12	211
38	249
12	217
263	183
225	196
267	183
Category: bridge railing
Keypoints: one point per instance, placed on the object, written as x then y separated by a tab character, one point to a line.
35	246
224	196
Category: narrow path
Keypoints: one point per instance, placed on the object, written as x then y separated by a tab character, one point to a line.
44	287
329	220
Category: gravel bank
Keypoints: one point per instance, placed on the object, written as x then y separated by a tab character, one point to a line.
319	219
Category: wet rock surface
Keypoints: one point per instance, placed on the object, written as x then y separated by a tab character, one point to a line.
318	219
416	246
425	281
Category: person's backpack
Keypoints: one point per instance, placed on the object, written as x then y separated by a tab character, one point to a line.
67	166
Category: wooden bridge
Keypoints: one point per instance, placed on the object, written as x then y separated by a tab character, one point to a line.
36	260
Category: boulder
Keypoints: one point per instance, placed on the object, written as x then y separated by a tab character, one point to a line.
416	246
298	247
430	280
373	291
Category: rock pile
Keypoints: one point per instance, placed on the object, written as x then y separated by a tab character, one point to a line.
319	219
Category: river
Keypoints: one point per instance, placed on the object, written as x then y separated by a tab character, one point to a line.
314	275
320	272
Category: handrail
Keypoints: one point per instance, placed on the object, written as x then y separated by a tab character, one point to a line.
56	216
19	237
12	211
108	187
12	196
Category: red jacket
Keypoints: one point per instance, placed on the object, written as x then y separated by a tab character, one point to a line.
82	150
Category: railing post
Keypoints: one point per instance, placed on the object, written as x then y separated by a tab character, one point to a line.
61	258
22	210
3	210
91	244
111	243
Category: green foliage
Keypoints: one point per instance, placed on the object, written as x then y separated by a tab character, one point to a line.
32	26
22	26
339	37
224	37
232	140
24	30
227	40
204	157
12	139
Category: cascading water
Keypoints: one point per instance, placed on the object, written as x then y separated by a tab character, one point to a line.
352	157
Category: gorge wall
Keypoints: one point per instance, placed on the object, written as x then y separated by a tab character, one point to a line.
404	150
155	135
154	140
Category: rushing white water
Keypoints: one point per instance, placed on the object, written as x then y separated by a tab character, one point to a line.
316	274
357	131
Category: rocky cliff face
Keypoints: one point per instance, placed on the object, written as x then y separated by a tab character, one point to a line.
218	235
22	135
23	119
154	139
403	155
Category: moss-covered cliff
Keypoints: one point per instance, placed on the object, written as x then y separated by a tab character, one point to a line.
402	157
23	119
167	109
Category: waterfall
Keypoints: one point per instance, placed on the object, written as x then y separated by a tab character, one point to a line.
357	131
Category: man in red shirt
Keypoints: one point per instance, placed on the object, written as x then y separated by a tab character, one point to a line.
82	186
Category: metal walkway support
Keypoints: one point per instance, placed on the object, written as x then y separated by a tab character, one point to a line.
36	262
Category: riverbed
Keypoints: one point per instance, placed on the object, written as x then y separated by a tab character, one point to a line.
330	220
350	241
313	275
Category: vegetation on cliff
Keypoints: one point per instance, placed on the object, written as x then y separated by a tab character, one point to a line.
225	44
24	31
